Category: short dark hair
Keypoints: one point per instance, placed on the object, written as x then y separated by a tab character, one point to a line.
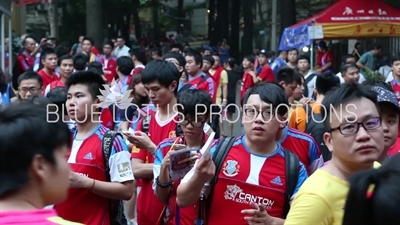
270	93
209	59
249	58
395	58
62	58
285	74
325	82
346	93
177	56
294	49
157	51
135	52
93	81
58	96
162	71
198	59
189	100
125	65
177	45
346	66
46	52
346	57
382	206
80	61
96	67
88	39
377	46
30	75
304	57
110	43
28	122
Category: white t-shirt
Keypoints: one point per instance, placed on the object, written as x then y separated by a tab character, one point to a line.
124	51
310	84
339	75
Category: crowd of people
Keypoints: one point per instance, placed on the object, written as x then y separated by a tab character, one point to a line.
315	149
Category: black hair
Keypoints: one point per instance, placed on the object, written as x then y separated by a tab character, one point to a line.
80	61
62	58
304	57
3	81
121	37
395	58
47	51
96	67
29	75
28	122
135	52
209	59
58	96
378	83
346	66
326	82
93	81
177	45
26	37
45	46
125	65
110	43
377	46
88	39
286	75
194	102
231	62
381	206
162	71
157	51
38	100
61	50
198	59
271	93
346	93
249	58
215	54
179	57
298	78
293	49
346	57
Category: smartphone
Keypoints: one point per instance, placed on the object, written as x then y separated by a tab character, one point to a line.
179	147
128	132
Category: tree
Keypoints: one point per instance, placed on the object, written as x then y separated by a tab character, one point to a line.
52	16
94	22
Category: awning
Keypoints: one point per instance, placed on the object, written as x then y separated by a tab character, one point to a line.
346	19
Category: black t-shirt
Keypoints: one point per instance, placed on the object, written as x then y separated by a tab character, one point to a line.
233	78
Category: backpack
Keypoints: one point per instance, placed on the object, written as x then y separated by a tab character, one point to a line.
116	207
315	127
292	174
188	86
306	81
146	125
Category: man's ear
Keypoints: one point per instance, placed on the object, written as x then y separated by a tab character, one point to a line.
173	86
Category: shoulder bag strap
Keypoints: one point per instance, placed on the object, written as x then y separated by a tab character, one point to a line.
292	176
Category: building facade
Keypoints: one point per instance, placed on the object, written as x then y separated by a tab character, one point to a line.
5	35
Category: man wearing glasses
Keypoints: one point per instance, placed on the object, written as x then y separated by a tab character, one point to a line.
355	138
29	84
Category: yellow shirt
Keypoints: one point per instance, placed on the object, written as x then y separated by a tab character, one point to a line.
224	80
320	201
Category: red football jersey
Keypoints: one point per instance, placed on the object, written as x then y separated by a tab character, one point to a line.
86	158
149	208
204	82
304	146
267	74
395	149
24	62
47	79
246	178
109	67
247	83
173	213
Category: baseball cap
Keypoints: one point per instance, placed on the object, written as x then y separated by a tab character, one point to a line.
384	95
265	52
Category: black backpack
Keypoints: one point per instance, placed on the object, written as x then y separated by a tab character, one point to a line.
115	207
315	127
306	81
292	174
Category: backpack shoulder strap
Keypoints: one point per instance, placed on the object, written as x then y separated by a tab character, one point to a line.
292	177
106	145
219	157
309	111
309	78
146	124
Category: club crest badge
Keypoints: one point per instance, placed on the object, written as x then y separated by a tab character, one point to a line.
231	168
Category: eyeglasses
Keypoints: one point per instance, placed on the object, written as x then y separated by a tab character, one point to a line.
252	113
32	90
352	128
195	124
